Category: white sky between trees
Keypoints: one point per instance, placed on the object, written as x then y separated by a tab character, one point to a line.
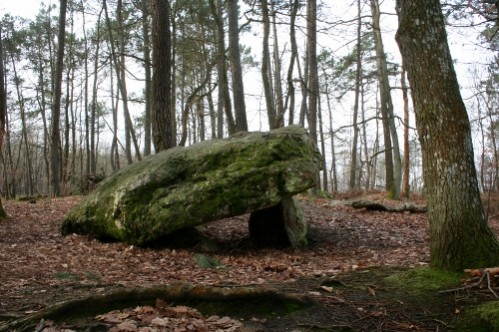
464	49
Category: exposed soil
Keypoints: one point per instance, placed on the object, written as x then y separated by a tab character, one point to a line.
342	271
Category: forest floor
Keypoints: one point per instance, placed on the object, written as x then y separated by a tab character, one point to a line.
342	271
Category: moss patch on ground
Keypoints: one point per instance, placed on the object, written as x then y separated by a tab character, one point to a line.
421	281
482	318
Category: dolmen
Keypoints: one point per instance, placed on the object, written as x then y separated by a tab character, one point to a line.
250	172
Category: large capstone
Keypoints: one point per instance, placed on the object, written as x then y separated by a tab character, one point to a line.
188	186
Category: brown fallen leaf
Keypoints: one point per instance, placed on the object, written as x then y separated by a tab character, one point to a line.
110	317
126	326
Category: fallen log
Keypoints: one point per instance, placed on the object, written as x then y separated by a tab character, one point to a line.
376	206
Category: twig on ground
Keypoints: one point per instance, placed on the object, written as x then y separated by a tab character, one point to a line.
464	287
490	287
485	273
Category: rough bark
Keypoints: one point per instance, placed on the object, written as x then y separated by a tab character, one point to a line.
56	108
313	77
459	235
163	114
235	65
148	78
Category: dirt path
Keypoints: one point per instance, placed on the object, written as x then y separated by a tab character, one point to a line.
39	267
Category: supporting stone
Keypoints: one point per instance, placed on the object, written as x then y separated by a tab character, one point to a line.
280	225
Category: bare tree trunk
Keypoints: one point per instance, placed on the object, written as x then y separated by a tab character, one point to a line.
290	95
191	101
56	109
88	116
223	103
393	184
115	156
236	68
201	121
323	152
10	190
70	75
213	113
129	130
93	114
148	79
313	78
374	158
119	66
460	237
266	67
358	83
24	129
164	116
334	173
73	144
3	110
279	99
406	190
367	160
42	104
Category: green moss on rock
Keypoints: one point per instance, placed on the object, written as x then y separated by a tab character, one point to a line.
184	187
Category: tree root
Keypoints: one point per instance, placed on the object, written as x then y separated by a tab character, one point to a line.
180	292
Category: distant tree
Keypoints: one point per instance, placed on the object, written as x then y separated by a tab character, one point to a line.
3	109
352	183
459	235
279	98
224	106
24	146
236	67
405	190
312	72
266	67
289	103
392	150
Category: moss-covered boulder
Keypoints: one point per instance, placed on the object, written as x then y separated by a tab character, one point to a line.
184	187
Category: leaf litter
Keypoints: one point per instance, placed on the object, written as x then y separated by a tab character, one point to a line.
39	267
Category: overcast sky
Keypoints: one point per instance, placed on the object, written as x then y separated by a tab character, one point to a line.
463	48
24	8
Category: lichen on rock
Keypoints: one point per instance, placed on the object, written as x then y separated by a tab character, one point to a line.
188	186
